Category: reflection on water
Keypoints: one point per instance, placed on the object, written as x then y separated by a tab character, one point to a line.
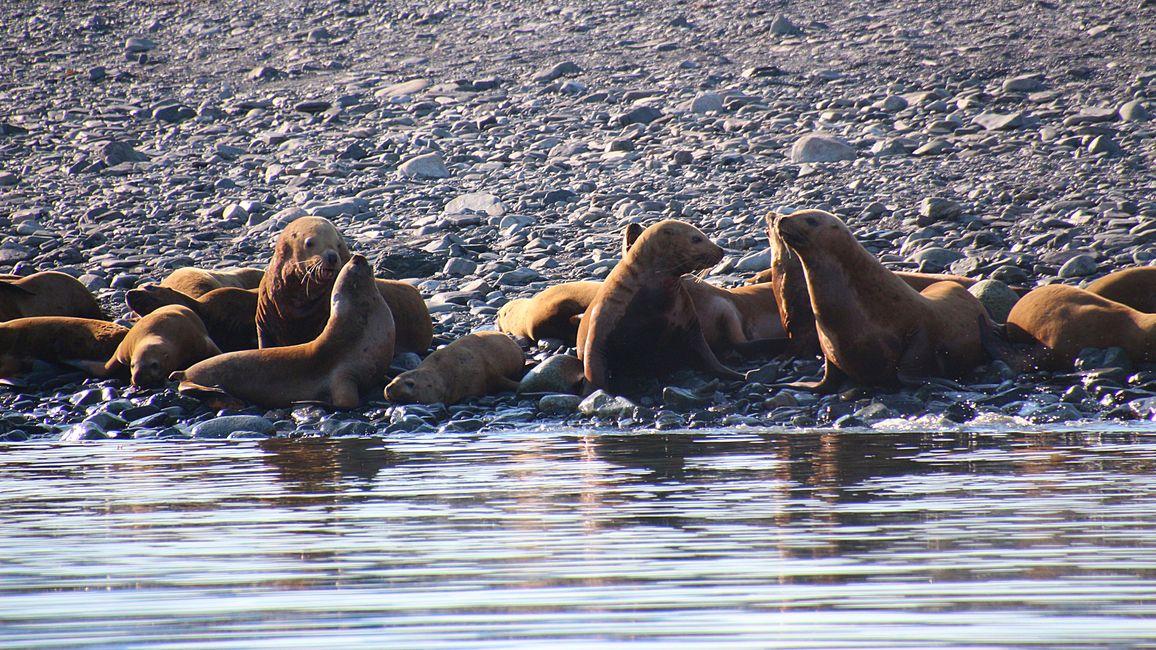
527	538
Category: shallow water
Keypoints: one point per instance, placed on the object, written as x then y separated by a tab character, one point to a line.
500	539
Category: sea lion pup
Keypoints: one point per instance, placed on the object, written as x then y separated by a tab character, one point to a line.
1060	320
56	339
794	302
229	313
872	326
196	282
171	338
293	298
474	365
349	357
643	317
1135	287
550	314
47	293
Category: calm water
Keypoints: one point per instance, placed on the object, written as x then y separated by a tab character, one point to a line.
557	539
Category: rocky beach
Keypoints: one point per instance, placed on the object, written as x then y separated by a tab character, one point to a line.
485	151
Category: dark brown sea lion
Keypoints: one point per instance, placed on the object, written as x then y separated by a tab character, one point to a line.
48	293
55	338
643	318
229	314
551	314
1135	287
348	359
170	338
476	364
1061	320
872	326
411	319
196	282
293	299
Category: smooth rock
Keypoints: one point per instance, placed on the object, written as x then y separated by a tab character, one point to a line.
999	121
429	165
1024	83
561	373
222	427
936	208
482	202
782	26
559	404
996	296
603	405
820	148
1079	266
1134	111
558	70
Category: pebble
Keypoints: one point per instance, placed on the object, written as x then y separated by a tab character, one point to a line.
428	165
996	296
561	373
226	425
136	44
821	148
604	406
999	121
1079	266
1134	111
937	208
1025	83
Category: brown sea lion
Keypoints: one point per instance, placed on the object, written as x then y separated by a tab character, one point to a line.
1135	287
794	302
48	293
349	357
550	314
293	298
195	282
1061	320
872	326
170	338
739	318
411	319
476	364
55	338
229	313
643	318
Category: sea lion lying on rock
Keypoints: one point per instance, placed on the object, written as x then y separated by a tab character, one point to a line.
476	364
553	313
293	298
872	326
229	314
48	293
170	338
1058	321
349	357
1135	287
643	318
194	282
55	339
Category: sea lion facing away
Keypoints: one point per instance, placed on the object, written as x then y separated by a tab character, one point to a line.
1135	287
194	282
48	293
55	338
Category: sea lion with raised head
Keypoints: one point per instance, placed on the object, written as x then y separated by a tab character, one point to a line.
643	318
474	365
1057	321
350	356
872	326
47	293
293	298
195	282
170	338
55	339
1135	287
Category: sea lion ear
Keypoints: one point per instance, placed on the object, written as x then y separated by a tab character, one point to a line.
771	217
629	236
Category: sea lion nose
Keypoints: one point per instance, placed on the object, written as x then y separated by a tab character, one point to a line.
331	258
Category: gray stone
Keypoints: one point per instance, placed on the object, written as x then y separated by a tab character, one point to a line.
459	266
996	296
1105	145
603	405
482	202
561	373
114	153
7	179
556	71
820	148
559	404
428	165
519	277
1079	266
222	427
681	399
137	44
708	102
639	115
344	207
1024	83
935	147
782	26
84	431
937	208
1134	111
935	259
405	88
999	121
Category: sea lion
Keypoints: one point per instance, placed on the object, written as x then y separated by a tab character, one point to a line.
1135	287
293	297
1060	320
48	293
170	338
872	326
794	302
349	357
56	339
229	313
411	320
550	314
474	365
643	316
744	318
195	282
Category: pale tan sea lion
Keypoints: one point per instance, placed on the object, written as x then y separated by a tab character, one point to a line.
55	339
47	293
169	339
476	364
195	282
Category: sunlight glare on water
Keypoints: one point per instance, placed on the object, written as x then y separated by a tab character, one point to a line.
500	539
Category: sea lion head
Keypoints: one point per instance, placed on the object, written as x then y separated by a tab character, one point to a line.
151	297
418	386
806	229
309	252
681	247
354	288
152	362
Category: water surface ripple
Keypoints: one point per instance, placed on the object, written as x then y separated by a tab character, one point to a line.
567	538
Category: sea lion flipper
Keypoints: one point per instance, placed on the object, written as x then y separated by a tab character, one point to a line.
706	357
94	368
762	347
832	378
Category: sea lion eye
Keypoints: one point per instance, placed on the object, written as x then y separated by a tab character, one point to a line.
696	239
812	221
309	243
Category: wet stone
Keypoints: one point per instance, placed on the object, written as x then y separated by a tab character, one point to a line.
560	373
222	427
559	404
603	405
